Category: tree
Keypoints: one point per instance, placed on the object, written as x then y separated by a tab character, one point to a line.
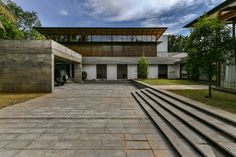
210	42
142	67
26	20
192	64
7	14
176	43
10	31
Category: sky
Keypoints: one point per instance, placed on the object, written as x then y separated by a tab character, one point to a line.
173	14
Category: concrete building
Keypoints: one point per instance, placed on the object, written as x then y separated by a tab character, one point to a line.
226	11
113	53
28	66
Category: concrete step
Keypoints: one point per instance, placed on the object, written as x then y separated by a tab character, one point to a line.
221	115
228	129
194	139
210	134
180	144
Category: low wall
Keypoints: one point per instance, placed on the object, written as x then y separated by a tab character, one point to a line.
139	84
28	65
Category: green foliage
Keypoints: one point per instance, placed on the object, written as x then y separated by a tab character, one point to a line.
142	68
5	12
192	64
10	31
176	43
26	20
210	42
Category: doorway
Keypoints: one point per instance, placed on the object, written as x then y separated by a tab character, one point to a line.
102	71
162	71
122	71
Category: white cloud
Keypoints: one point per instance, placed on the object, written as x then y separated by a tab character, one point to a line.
132	10
64	12
174	24
173	14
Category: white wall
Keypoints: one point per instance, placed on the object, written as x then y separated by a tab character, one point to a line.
132	72
163	46
91	71
153	71
111	72
174	71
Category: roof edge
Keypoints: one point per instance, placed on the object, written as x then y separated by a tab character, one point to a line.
226	2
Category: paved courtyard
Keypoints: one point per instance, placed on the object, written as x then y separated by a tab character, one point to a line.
89	120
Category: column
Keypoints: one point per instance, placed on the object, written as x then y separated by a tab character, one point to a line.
77	73
233	27
70	70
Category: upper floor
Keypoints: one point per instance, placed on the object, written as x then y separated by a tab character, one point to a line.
108	42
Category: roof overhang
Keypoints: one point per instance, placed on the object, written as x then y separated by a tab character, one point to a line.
157	31
225	11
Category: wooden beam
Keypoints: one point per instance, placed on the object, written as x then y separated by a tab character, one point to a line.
231	8
228	15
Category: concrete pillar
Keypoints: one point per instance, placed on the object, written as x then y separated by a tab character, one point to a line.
173	71
71	70
77	72
132	72
91	71
153	71
111	72
52	72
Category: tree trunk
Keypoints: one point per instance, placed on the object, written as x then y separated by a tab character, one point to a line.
210	81
210	95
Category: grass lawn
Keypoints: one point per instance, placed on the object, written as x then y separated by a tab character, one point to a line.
7	99
172	82
221	100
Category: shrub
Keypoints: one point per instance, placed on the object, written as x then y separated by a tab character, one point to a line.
142	68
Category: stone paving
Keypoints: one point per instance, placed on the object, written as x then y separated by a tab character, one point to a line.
89	120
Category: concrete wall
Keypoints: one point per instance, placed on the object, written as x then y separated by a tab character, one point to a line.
28	65
91	71
153	71
132	71
111	72
77	72
163	46
129	60
174	71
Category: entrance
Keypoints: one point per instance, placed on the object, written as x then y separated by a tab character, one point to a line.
101	71
122	71
162	71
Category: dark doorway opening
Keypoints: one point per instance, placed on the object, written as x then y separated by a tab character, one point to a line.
162	71
122	71
101	71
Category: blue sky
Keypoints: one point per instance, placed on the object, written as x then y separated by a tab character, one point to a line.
173	14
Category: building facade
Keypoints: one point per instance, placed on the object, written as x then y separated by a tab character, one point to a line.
113	53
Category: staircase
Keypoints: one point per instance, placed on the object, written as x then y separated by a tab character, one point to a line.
192	131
